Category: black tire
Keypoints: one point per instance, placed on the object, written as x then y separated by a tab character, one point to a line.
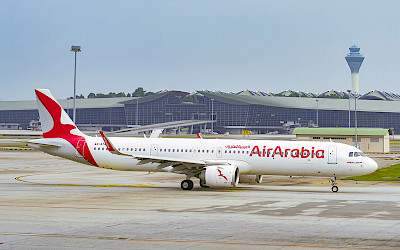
187	185
335	189
203	185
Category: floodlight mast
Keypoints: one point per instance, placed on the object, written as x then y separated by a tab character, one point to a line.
75	49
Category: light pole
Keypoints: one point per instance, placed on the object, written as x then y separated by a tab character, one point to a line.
349	92
137	111
212	116
75	49
317	111
355	117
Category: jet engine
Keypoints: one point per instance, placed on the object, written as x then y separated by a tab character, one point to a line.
220	176
244	178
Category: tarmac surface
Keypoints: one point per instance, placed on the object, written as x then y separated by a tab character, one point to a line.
48	202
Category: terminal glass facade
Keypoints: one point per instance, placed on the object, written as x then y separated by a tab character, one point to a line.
228	114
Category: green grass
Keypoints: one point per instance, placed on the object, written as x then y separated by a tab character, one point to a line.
391	173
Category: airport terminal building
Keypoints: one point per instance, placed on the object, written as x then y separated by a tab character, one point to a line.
229	112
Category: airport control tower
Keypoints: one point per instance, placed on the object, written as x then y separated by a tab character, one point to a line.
354	60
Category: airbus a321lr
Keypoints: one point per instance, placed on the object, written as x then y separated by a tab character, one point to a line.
217	163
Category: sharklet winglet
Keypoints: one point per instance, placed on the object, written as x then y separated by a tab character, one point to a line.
110	146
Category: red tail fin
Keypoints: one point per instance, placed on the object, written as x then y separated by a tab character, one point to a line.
55	121
57	124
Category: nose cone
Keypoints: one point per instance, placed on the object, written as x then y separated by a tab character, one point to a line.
372	166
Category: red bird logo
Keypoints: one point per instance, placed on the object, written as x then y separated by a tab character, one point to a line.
221	175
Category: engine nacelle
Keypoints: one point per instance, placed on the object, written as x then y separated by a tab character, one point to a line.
220	176
244	178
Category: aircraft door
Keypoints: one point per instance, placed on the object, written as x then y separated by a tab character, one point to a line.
219	152
80	148
332	156
154	150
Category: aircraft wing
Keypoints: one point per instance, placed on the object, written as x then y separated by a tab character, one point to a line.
178	164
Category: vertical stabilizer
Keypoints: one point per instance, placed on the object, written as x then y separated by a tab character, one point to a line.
57	124
55	121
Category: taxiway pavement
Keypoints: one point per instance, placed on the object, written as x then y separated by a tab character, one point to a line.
50	203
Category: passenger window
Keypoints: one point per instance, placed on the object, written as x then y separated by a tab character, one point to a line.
207	151
185	150
140	149
173	150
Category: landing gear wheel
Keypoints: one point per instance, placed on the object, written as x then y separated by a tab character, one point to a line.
203	185
187	185
334	183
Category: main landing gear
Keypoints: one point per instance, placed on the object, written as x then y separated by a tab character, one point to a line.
203	184
334	185
187	185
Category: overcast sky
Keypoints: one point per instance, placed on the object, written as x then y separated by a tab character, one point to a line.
194	45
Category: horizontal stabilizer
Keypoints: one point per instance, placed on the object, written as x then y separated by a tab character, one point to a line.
44	143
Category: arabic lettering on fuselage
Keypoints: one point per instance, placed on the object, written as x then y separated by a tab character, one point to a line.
238	146
294	153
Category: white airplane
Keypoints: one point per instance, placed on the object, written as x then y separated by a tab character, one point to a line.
217	163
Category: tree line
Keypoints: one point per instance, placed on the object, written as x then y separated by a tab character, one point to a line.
139	92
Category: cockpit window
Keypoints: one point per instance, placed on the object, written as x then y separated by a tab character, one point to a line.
356	154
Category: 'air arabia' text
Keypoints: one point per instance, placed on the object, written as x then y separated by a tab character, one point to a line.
294	153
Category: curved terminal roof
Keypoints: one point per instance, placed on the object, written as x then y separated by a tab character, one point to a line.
230	98
156	96
306	103
68	104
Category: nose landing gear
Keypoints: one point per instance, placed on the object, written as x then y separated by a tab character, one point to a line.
334	185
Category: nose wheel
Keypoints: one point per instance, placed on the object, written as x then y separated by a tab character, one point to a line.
187	185
334	185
